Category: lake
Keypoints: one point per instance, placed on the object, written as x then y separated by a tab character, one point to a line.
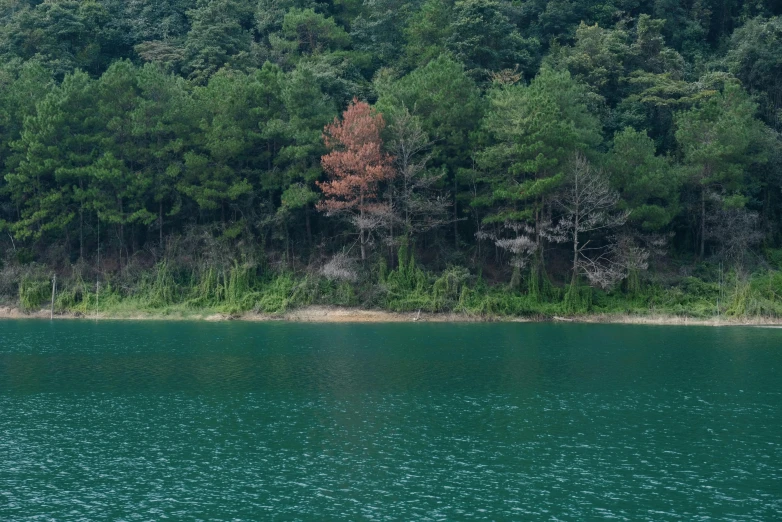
282	421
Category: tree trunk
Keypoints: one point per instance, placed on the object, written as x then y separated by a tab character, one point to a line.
406	195
118	232
134	243
538	245
121	231
98	216
160	217
68	241
361	229
391	227
81	223
574	278
288	245
363	247
455	214
81	233
703	222
307	222
576	219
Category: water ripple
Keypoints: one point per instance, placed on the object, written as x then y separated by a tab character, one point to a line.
411	422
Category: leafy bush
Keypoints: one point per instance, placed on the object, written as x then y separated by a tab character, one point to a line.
276	296
33	292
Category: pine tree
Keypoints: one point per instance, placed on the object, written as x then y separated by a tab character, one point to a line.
356	166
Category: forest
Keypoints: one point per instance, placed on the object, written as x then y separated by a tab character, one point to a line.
490	157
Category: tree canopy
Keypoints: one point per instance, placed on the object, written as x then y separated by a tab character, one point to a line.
128	128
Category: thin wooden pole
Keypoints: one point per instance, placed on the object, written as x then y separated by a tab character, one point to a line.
97	278
719	295
54	287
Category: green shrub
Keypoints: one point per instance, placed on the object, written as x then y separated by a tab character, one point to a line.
774	257
276	297
578	299
33	292
24	256
758	296
239	294
159	289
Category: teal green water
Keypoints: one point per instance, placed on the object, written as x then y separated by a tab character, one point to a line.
195	421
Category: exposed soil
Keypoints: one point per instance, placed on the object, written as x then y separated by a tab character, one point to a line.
328	314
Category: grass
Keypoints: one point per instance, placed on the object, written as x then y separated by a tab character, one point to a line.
168	290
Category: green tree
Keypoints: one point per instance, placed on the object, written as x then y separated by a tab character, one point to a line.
534	130
484	39
755	57
64	35
298	133
715	142
427	32
597	58
379	30
121	184
219	166
22	86
648	184
219	35
448	104
56	148
162	127
312	32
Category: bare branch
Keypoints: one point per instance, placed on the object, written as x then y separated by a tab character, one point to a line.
735	231
418	204
588	211
340	268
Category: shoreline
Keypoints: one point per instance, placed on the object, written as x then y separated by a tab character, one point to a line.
333	314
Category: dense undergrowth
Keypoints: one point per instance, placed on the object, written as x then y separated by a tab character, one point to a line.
242	287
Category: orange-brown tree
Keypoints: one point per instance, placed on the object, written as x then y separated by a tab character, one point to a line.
356	165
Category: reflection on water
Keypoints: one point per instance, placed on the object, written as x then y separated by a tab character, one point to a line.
414	422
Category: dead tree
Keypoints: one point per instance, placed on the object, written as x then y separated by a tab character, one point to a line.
418	204
735	231
522	245
589	216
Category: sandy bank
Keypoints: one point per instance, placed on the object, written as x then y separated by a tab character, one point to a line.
328	314
311	314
